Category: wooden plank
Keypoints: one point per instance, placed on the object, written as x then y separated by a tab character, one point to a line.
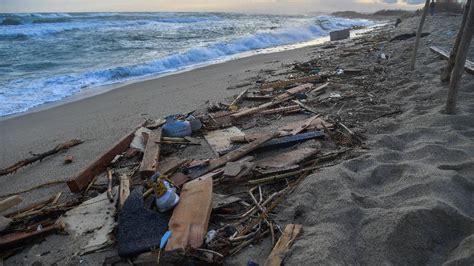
291	92
80	181
468	66
151	156
10	202
285	109
287	159
286	83
124	189
220	140
190	218
289	236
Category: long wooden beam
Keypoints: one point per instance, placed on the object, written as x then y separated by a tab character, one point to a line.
80	181
468	66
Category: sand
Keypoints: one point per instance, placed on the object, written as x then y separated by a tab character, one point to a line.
406	199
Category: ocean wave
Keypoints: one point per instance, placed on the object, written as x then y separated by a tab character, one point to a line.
23	94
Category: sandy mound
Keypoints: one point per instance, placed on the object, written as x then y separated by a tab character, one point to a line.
410	199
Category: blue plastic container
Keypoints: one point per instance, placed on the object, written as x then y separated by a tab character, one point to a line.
176	128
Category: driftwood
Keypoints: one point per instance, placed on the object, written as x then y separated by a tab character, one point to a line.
10	202
38	157
291	233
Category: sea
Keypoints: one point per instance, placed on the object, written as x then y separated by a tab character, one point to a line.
47	57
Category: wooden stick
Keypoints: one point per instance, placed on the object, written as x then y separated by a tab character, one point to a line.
10	202
110	181
418	34
285	83
239	97
306	124
306	107
82	179
285	109
124	190
458	68
289	236
452	57
38	157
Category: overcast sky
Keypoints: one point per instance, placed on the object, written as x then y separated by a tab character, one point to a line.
258	6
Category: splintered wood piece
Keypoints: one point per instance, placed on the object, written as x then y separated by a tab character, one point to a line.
286	83
220	140
303	126
190	218
10	202
287	159
16	239
38	157
151	156
124	189
289	236
80	181
291	92
468	66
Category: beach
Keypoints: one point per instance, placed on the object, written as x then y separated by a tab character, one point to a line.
407	198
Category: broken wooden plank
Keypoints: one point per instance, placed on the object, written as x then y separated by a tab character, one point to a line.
220	140
289	236
124	189
287	159
238	98
151	156
306	107
468	66
286	83
16	239
303	126
40	156
285	109
291	92
10	202
190	219
320	88
82	179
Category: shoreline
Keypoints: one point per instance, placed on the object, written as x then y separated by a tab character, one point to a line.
101	89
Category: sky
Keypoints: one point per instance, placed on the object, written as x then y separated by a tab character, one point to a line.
253	6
